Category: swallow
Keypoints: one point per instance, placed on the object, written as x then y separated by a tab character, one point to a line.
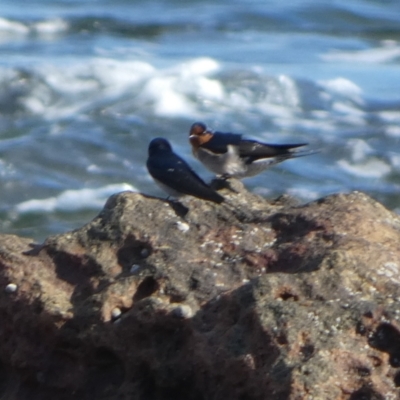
174	175
229	155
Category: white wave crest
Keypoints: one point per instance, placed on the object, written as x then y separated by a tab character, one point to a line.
7	26
51	26
344	87
73	200
372	168
389	51
193	89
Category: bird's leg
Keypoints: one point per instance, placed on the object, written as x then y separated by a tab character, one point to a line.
222	182
224	177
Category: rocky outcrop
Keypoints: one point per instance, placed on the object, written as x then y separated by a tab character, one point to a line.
245	300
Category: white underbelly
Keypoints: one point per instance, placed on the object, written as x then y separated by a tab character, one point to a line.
228	163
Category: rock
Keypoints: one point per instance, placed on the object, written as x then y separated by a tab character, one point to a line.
250	299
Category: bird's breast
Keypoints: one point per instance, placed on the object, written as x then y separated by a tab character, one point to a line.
228	163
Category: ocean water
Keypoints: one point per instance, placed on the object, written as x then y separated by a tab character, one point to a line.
85	85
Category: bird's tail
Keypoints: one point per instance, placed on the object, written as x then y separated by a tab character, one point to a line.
215	197
302	153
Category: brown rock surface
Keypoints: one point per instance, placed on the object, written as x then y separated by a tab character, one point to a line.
246	300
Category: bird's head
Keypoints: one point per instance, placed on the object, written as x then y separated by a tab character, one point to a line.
199	134
159	145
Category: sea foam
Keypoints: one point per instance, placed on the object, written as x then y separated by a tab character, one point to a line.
50	26
73	200
194	89
372	168
13	27
388	51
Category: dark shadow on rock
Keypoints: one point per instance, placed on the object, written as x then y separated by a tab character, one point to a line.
146	288
291	226
245	357
132	251
291	261
397	379
87	278
223	352
366	393
35	249
74	269
292	251
387	338
286	200
105	373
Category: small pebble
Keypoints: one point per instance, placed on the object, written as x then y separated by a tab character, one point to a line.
182	311
144	253
11	288
182	226
134	269
116	313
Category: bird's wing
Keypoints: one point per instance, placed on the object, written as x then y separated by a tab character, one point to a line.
220	141
174	172
256	150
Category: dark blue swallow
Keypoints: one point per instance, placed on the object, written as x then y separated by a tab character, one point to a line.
229	155
174	175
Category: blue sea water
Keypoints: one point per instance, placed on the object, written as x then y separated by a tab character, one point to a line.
85	85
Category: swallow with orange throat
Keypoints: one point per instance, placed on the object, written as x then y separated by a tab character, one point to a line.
230	155
174	175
